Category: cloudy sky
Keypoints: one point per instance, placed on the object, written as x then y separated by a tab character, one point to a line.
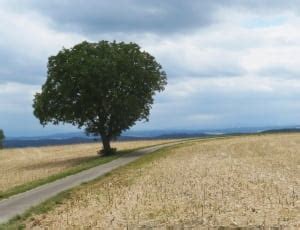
230	63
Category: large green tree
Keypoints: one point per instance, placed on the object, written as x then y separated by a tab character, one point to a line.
105	87
2	137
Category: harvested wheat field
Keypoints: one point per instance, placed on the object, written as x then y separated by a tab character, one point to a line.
22	165
234	182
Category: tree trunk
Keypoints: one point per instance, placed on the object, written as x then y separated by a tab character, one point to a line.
106	145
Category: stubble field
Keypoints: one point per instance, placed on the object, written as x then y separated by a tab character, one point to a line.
234	182
22	165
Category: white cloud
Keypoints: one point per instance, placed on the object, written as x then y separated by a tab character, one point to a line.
201	118
26	42
16	97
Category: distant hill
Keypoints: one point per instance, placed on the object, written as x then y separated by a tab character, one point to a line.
44	142
47	141
181	135
287	130
81	137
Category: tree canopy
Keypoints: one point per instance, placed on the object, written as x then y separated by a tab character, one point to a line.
105	87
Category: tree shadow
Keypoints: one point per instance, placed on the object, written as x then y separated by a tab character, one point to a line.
79	160
60	163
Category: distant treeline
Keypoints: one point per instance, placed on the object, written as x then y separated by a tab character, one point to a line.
293	130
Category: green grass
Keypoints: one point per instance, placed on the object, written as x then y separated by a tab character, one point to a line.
18	221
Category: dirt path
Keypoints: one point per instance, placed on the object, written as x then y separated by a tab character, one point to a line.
18	204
